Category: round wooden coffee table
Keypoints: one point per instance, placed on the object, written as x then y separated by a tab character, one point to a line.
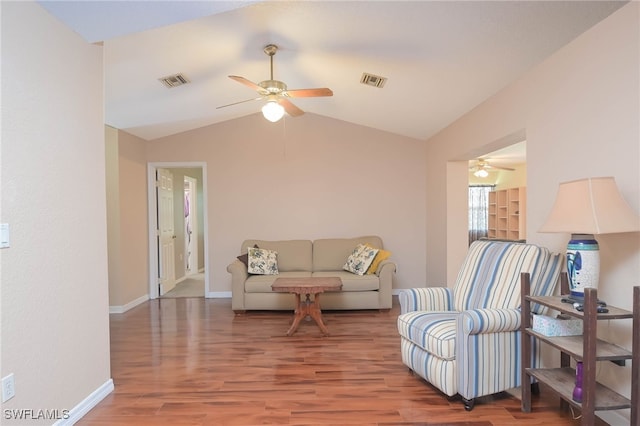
307	286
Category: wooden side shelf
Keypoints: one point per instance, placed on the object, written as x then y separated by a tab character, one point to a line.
586	348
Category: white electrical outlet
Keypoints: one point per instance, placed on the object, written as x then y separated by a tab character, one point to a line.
4	235
8	388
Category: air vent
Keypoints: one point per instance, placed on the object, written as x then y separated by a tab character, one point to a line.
373	80
174	80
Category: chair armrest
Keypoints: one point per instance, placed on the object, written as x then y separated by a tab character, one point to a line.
481	321
425	299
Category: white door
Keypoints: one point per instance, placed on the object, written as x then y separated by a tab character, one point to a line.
167	235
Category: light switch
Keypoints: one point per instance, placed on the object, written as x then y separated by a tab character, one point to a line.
4	235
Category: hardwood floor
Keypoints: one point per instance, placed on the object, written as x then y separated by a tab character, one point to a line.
192	362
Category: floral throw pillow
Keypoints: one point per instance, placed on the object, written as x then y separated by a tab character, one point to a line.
360	259
244	258
382	255
262	261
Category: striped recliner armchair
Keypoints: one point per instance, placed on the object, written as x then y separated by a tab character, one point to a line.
466	340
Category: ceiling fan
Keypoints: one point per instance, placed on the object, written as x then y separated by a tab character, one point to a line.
276	94
482	168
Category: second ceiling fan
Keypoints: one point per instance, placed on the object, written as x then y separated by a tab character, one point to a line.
276	94
482	168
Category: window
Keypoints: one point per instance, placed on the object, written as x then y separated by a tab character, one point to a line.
478	211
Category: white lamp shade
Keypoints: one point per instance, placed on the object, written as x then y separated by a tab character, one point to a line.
591	206
272	111
481	173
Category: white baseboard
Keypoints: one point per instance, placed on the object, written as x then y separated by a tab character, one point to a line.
124	308
218	295
77	412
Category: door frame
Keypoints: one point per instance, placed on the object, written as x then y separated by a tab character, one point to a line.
153	221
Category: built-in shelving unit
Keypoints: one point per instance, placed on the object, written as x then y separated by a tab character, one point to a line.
507	218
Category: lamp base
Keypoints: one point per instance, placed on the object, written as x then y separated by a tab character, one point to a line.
583	263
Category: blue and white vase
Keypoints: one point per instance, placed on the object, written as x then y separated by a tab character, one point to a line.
583	263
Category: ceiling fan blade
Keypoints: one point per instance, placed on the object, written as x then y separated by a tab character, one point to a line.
489	166
291	109
309	93
241	102
246	82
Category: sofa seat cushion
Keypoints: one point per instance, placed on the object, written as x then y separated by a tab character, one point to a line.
435	332
353	282
262	283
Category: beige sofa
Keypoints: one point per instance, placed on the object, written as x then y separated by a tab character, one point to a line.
319	258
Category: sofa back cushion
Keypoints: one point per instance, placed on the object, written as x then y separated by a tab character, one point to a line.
490	274
330	254
293	255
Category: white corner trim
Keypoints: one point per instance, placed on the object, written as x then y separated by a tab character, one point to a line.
218	295
130	305
77	412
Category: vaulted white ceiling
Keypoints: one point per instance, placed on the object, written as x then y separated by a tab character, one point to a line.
441	58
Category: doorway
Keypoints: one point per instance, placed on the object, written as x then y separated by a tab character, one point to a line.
190	226
188	209
499	169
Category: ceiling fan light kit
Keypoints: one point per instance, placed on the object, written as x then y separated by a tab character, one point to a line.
273	111
276	94
481	173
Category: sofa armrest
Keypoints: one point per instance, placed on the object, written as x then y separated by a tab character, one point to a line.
482	321
385	272
425	299
239	275
386	265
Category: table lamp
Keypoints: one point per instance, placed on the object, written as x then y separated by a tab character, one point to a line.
583	208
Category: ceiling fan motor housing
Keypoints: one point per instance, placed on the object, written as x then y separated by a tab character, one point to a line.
270	49
273	87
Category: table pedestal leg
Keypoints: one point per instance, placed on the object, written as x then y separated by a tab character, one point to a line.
310	308
316	313
300	312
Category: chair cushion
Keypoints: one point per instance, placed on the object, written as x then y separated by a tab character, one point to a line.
490	274
435	332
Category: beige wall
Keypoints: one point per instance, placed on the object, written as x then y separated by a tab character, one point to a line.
113	211
55	322
580	112
309	177
132	282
